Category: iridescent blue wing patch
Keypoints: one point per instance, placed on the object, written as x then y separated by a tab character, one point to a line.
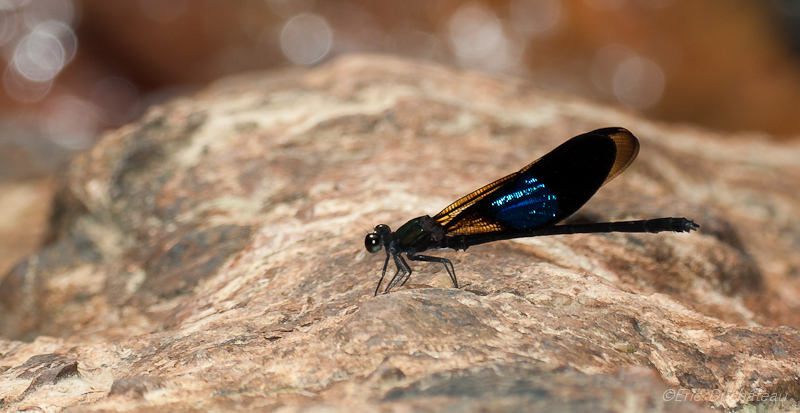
527	204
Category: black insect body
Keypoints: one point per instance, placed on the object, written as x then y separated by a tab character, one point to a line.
528	203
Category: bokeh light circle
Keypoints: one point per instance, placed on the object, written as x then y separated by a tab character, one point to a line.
475	32
638	83
65	35
306	39
39	56
479	40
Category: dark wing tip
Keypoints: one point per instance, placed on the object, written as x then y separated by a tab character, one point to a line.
627	149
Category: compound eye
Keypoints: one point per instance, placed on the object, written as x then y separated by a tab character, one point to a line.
373	243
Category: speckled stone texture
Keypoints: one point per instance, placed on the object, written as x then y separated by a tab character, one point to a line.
210	257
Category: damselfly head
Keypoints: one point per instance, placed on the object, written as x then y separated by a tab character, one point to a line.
374	241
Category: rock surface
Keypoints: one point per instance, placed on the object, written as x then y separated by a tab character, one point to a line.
25	206
210	257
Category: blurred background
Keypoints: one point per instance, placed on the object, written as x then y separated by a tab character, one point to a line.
73	68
